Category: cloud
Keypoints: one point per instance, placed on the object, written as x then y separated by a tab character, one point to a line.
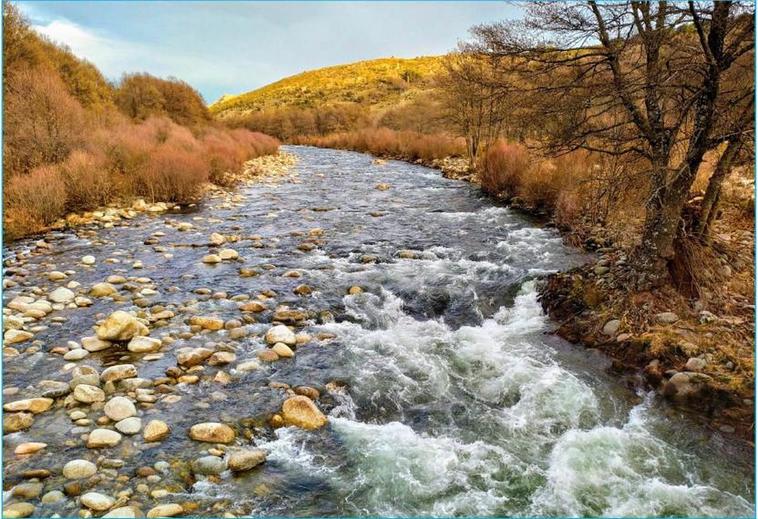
114	57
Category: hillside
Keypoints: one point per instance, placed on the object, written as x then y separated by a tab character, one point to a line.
375	82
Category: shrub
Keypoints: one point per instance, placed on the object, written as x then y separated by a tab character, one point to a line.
384	142
34	200
505	167
43	123
86	181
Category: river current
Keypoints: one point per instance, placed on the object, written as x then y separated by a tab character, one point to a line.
452	397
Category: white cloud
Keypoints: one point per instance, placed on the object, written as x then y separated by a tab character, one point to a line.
115	56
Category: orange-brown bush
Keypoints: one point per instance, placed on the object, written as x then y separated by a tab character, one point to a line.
33	201
384	142
156	159
42	121
504	169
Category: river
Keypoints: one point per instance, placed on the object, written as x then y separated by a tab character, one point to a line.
452	397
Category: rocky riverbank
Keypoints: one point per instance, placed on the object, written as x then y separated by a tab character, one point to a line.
260	169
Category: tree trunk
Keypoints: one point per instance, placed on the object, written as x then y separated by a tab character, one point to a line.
709	206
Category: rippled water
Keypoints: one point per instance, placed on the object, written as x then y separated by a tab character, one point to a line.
457	400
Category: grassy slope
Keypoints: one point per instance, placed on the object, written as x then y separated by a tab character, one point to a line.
375	82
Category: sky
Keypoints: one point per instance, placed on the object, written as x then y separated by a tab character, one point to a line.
233	47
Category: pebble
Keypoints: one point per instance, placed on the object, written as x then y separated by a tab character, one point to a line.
281	333
96	501
100	438
167	510
29	448
119	408
155	430
243	460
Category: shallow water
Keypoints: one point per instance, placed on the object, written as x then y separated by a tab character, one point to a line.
457	401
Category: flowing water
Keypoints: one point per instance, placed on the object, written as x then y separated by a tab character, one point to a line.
455	399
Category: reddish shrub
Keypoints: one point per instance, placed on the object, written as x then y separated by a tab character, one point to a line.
33	201
505	167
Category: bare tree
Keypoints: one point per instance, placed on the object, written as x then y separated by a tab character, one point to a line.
629	78
472	102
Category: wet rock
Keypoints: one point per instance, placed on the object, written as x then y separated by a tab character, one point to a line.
118	372
211	259
75	355
310	392
122	512
56	275
96	501
79	469
666	317
27	490
268	356
167	510
216	239
61	295
611	327
16	336
14	422
207	323
253	306
208	465
355	290
100	438
281	333
52	497
121	326
189	357
129	426
303	290
33	405
88	260
88	394
18	510
300	411
241	461
53	388
222	357
156	430
228	254
283	350
102	290
29	448
118	408
92	344
212	432
143	344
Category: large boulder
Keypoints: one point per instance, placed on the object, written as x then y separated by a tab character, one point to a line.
300	411
121	326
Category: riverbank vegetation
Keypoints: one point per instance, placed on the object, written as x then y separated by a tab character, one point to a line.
631	126
72	141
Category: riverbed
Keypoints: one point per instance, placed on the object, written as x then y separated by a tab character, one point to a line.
445	391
